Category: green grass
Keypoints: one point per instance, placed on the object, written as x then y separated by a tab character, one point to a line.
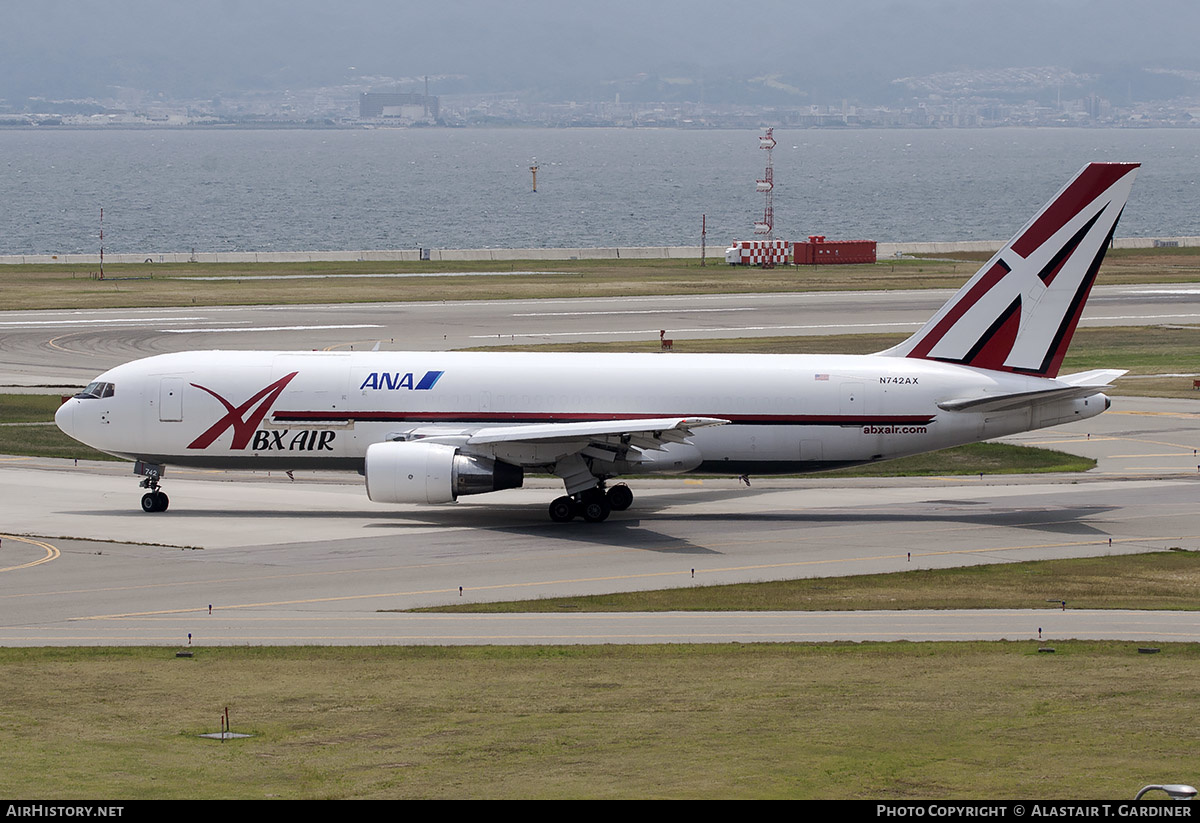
869	720
974	458
150	284
1159	580
45	440
28	408
32	287
27	429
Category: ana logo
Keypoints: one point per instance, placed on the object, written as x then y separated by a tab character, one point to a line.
244	419
390	381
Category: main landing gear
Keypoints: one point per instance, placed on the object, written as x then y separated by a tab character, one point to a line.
154	500
593	505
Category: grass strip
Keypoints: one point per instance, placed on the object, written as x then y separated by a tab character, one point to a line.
973	458
45	440
155	285
869	720
30	408
150	285
1158	580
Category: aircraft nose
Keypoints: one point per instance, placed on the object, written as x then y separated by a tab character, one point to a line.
64	418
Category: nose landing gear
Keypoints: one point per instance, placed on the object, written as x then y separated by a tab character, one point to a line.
154	500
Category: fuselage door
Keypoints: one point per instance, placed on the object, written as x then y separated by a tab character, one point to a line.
170	399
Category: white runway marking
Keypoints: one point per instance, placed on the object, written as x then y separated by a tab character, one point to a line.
697	331
103	321
630	311
1094	317
270	328
231	277
1181	290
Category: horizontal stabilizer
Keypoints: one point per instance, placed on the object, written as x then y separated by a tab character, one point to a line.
1084	384
1098	378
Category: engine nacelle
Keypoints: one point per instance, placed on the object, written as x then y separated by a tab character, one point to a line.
433	473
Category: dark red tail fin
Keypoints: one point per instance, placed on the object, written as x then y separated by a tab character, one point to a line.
1019	311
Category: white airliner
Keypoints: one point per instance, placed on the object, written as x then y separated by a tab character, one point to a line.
427	427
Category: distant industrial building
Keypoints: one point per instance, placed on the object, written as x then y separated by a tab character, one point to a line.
409	107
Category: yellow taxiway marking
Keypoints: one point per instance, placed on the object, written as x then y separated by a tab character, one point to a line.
1137	470
1188	453
1157	443
51	552
1179	415
1071	441
53	343
351	345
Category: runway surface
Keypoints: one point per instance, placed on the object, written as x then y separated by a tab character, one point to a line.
313	561
53	348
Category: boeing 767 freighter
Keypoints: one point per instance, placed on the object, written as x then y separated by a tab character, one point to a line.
428	427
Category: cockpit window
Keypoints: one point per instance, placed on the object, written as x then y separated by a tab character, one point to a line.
97	389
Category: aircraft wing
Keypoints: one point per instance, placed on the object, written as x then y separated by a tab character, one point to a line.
650	433
572	450
1083	384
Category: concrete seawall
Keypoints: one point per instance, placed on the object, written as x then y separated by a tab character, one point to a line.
715	252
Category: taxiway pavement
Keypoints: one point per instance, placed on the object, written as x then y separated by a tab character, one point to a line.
71	347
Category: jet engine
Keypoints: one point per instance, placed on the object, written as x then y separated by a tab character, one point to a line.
399	472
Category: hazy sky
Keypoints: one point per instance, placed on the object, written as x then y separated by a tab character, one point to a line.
571	50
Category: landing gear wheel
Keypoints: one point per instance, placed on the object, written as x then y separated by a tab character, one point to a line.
155	501
562	510
595	507
596	511
620	498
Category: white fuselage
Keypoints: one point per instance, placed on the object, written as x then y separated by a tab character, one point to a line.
786	413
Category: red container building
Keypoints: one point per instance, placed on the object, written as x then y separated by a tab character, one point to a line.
819	251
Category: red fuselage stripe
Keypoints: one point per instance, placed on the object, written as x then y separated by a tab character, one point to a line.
574	417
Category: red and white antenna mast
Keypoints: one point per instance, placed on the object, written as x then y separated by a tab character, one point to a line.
766	186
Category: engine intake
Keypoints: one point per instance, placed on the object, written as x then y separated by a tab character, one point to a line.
433	473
